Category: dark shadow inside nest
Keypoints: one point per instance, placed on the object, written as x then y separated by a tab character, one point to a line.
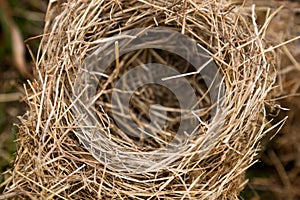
154	108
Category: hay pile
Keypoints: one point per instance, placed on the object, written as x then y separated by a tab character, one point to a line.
55	160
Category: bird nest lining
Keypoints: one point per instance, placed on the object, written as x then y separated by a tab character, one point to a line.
133	131
56	157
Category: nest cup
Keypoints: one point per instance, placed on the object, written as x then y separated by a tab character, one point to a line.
104	122
139	100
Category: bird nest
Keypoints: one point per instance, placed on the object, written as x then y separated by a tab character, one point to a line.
144	100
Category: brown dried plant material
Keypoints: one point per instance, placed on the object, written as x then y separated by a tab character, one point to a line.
18	47
282	155
52	163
